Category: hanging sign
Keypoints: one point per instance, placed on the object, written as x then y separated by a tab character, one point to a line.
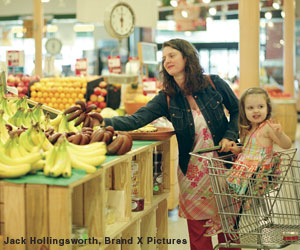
15	58
114	64
81	67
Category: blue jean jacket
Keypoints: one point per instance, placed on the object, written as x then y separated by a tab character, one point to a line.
178	112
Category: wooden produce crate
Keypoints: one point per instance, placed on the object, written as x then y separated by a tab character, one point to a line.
42	214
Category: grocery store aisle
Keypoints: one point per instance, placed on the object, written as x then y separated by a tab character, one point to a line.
178	227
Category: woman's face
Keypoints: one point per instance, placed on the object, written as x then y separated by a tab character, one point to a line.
173	61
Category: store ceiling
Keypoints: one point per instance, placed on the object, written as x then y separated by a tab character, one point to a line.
225	9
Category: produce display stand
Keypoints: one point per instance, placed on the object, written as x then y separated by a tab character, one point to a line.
46	208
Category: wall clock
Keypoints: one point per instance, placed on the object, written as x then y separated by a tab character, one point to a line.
119	20
53	46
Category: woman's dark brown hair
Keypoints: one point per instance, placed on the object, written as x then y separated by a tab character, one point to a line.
194	78
244	123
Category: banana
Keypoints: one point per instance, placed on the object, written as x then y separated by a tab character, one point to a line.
59	165
13	171
82	105
13	161
55	122
89	147
39	165
76	163
74	115
71	109
26	142
67	172
50	160
88	154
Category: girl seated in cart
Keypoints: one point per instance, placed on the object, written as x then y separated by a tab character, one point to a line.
258	134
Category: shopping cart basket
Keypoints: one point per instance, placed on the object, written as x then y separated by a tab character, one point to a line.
258	218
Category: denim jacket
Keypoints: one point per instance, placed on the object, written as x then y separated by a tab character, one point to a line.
178	112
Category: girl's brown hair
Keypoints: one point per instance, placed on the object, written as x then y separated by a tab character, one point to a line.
194	77
244	123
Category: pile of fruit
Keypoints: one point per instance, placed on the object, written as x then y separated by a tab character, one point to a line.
30	141
276	92
98	97
21	82
59	93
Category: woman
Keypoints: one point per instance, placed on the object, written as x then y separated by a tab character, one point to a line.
195	108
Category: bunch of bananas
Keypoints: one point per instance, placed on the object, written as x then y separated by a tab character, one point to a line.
16	161
3	131
64	156
61	124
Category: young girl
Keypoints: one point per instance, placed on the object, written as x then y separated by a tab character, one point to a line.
258	134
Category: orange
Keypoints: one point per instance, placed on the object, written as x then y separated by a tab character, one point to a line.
80	96
33	93
83	91
50	104
61	106
50	94
53	100
45	94
62	95
56	94
39	94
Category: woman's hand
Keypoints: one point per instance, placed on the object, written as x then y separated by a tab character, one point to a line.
235	149
226	145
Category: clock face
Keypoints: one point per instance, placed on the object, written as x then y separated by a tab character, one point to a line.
120	20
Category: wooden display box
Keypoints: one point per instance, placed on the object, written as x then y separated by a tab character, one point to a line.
44	214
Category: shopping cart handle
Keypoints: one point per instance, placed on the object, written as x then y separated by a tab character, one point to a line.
215	148
205	150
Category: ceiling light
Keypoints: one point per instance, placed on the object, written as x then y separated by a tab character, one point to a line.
270	24
212	11
282	14
45	1
184	13
268	15
174	3
206	1
276	5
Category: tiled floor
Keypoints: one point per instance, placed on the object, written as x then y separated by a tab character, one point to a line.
178	226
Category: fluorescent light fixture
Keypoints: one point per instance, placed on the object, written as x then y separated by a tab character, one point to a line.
282	14
206	1
52	28
84	28
45	1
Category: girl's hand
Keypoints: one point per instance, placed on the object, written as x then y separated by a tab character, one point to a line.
276	126
226	145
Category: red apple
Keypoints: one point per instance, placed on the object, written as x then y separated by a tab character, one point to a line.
97	91
103	92
103	84
102	105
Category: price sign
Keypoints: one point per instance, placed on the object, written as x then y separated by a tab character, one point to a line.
81	67
114	64
149	86
15	58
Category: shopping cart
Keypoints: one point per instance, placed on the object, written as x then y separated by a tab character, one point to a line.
258	218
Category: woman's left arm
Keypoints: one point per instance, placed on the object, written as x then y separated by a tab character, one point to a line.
232	105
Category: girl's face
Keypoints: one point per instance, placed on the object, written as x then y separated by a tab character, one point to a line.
173	61
256	108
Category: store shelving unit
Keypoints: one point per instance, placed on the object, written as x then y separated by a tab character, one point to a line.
48	211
